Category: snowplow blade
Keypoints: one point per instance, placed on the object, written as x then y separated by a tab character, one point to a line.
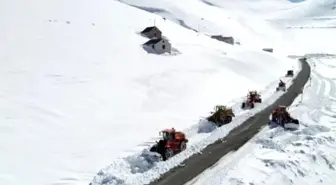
272	124
154	153
281	89
291	126
153	148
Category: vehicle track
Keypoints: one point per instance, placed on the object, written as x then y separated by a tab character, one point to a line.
199	162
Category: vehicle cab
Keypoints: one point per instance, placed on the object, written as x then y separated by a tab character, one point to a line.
168	134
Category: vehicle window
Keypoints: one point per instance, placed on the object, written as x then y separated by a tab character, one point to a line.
167	136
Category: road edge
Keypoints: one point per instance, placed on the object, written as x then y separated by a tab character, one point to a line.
197	163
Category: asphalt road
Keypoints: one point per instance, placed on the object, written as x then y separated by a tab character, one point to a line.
197	163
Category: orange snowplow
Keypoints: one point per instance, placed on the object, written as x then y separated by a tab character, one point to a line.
172	143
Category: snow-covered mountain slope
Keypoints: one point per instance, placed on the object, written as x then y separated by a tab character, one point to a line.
78	91
254	24
305	156
303	22
311	27
311	40
239	19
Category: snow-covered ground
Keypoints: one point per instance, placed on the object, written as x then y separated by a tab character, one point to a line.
78	91
305	156
237	18
139	169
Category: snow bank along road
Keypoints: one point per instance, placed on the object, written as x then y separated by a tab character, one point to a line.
236	138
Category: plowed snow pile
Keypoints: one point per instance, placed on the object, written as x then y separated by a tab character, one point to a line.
142	168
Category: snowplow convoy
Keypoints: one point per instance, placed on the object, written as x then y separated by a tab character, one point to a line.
174	142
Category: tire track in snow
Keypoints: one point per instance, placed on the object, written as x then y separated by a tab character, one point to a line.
324	96
324	93
302	146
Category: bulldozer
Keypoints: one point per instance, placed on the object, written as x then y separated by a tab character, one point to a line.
221	115
290	73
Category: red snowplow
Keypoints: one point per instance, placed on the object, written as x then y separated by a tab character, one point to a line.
172	143
251	98
281	117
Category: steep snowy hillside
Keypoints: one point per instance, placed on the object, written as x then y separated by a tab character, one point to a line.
234	18
279	157
289	19
254	24
77	89
310	28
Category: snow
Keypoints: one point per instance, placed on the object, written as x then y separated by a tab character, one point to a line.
141	169
305	156
79	93
230	19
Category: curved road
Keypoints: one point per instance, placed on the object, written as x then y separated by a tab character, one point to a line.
197	163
